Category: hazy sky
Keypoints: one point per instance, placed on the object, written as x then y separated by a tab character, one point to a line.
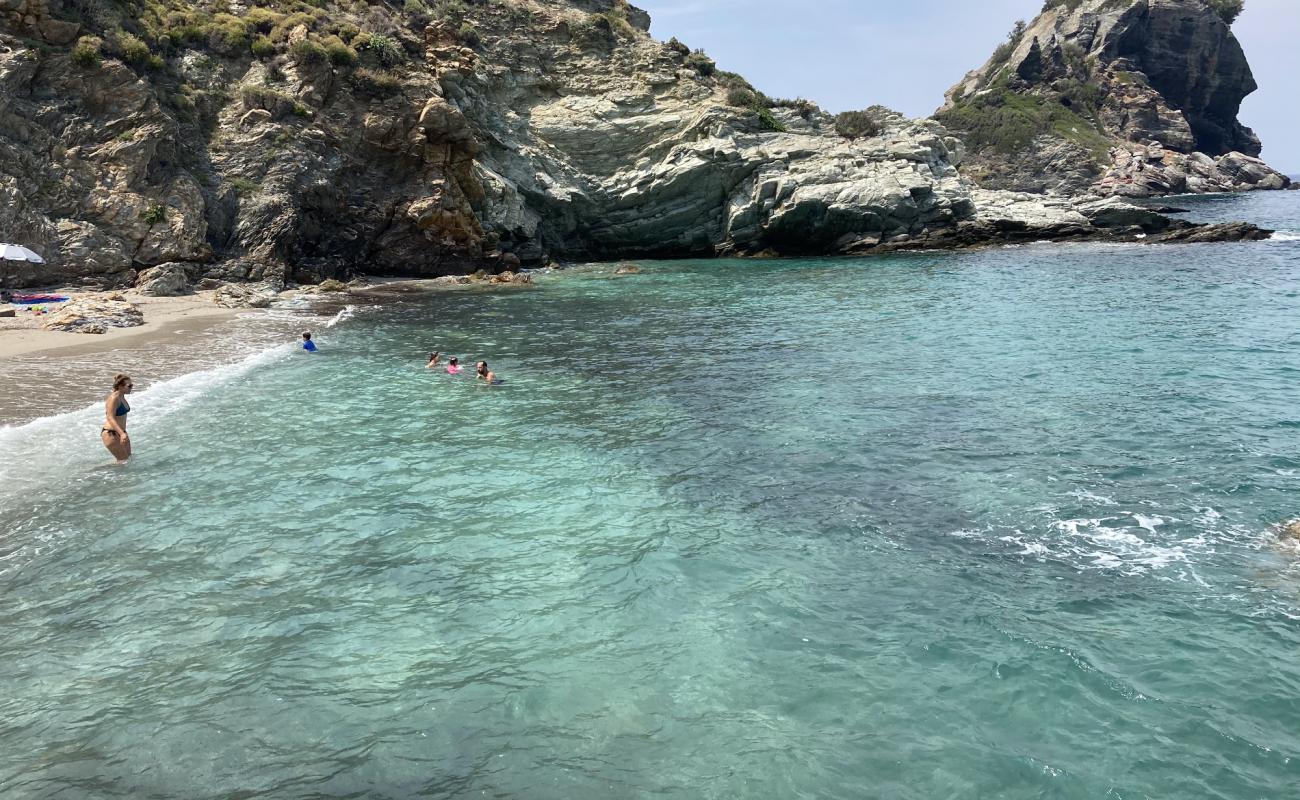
848	54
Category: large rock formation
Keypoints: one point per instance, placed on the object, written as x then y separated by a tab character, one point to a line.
287	144
294	142
1129	97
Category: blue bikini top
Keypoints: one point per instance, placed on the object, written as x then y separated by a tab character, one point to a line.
122	409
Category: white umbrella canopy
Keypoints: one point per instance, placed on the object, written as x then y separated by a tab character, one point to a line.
14	252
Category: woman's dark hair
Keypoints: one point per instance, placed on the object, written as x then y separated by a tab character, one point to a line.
433	355
455	360
120	380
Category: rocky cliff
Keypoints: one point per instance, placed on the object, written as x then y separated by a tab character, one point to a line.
1124	97
291	141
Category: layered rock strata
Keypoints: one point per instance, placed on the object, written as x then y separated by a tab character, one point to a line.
289	142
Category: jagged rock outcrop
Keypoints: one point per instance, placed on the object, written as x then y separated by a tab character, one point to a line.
290	144
165	280
1011	217
1127	97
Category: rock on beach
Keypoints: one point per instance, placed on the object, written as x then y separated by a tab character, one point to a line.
95	315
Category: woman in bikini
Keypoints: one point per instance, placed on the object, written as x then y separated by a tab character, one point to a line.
115	410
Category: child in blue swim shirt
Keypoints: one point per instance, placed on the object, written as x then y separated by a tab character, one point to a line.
307	343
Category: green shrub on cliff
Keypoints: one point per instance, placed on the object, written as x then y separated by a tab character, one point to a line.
617	19
182	28
1003	52
701	63
227	35
287	25
384	49
154	213
308	52
261	20
1004	121
1229	10
340	55
858	124
133	49
452	10
87	52
373	83
262	47
740	97
468	34
1076	58
768	121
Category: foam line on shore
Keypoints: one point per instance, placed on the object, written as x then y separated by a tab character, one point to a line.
72	438
346	313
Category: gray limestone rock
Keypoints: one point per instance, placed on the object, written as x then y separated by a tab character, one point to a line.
165	280
94	315
238	295
1140	96
567	136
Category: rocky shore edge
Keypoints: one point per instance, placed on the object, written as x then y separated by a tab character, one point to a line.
1002	217
182	302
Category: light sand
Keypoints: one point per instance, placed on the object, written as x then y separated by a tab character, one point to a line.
164	317
47	372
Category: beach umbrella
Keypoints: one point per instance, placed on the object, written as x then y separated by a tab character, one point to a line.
15	252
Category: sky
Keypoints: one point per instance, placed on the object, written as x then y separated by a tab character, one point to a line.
848	54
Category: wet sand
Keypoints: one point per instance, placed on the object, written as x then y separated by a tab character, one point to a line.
49	372
46	372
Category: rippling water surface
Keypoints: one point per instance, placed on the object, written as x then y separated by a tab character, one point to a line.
927	525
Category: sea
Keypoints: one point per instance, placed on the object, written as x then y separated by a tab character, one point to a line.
991	524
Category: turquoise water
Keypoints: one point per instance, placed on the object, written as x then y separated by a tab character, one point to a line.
991	524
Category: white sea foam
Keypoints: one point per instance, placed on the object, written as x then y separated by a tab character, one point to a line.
34	454
344	314
1285	236
1150	523
1084	494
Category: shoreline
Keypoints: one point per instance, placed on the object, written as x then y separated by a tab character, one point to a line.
45	373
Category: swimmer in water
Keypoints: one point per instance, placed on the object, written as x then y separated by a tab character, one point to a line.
113	433
434	358
307	343
482	373
453	366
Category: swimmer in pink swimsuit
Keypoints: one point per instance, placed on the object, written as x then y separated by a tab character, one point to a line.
453	367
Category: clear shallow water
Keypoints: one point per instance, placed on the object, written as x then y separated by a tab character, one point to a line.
933	525
48	383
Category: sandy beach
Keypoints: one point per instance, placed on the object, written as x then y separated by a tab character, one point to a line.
45	372
164	317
